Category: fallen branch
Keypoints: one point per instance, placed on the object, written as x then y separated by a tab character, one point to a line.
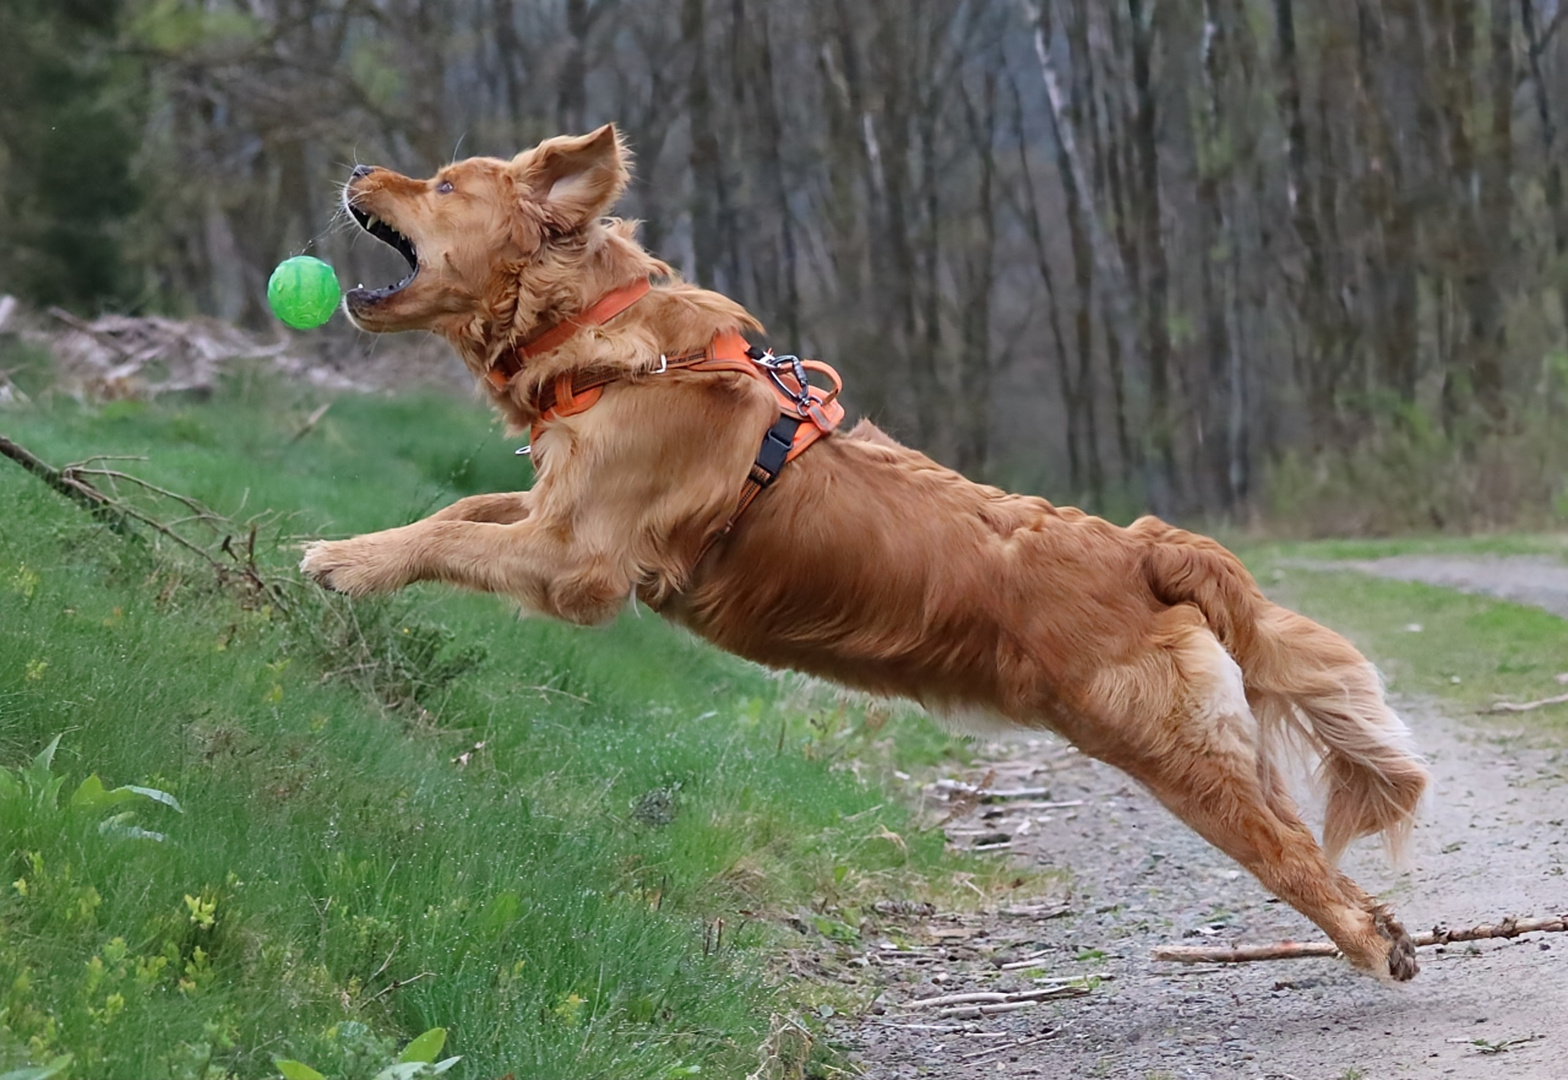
67	484
986	1002
1508	706
1010	1047
120	514
1027	999
1298	950
983	792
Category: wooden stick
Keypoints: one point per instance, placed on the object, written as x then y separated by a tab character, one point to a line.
998	997
1297	950
79	492
310	423
972	1012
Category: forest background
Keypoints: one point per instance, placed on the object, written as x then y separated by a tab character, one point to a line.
1220	259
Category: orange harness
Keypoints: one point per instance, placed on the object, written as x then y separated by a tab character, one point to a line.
806	412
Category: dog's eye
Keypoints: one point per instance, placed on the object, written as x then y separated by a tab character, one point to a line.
444	188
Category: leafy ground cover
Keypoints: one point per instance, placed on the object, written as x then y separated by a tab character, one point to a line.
574	851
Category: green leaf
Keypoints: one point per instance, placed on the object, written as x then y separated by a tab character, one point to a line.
55	1067
91	795
296	1070
45	759
425	1047
119	825
404	1070
154	794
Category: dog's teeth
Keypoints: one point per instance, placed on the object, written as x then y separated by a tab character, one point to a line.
372	221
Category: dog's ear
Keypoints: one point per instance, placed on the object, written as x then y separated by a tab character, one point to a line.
574	179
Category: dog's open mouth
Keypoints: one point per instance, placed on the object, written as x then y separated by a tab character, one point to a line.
388	235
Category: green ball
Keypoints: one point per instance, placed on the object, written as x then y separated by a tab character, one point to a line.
303	292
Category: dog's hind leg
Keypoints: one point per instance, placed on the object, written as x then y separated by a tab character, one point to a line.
1201	757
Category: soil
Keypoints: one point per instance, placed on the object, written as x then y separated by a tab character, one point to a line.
1490	844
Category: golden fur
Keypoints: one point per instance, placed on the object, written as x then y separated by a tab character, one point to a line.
867	563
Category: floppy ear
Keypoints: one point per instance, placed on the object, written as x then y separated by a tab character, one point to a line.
575	178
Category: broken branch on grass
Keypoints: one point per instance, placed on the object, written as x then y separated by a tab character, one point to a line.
1298	950
1510	707
73	481
72	487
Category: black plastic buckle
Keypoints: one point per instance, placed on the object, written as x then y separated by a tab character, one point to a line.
776	444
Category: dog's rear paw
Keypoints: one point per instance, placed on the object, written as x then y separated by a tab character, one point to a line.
1402	965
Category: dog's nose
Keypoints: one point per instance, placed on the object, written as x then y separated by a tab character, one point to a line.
363	170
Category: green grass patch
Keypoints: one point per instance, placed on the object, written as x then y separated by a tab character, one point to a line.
575	851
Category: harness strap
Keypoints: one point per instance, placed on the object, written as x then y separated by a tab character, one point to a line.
806	412
607	307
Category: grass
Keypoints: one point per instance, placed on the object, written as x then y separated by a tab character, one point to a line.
573	850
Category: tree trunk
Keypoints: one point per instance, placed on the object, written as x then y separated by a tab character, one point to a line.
1536	42
975	367
1112	278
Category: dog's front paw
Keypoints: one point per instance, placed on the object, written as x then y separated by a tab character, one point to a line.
352	567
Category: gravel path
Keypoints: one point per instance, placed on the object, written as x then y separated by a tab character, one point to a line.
1490	844
1524	579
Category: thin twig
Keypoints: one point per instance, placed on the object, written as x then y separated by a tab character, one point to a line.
1300	950
997	997
398	984
562	693
310	423
992	1051
959	1012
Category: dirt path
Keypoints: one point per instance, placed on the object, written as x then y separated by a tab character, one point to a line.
1492	843
1524	579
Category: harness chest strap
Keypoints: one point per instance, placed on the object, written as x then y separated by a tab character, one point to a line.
806	412
607	307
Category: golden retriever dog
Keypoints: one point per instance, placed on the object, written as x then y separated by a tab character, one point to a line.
866	562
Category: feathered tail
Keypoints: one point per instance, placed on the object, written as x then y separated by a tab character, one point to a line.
1305	683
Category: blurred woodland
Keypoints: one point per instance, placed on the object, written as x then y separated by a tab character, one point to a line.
1214	258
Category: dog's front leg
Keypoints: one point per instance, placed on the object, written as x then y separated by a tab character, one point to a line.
385	561
524	560
501	508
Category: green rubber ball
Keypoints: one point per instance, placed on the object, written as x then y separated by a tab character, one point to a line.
303	292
